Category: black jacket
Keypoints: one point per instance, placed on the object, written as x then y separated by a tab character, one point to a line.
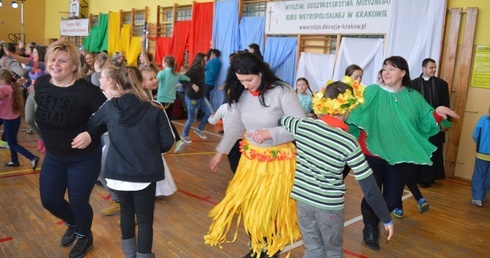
139	133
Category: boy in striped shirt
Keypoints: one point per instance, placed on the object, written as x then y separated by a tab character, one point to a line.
324	149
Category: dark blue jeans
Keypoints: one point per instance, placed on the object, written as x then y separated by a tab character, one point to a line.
11	128
141	203
193	105
77	175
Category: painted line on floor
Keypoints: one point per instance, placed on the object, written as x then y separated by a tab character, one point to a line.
347	223
206	198
214	134
61	222
5	239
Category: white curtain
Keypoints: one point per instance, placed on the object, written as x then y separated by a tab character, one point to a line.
316	68
416	32
364	52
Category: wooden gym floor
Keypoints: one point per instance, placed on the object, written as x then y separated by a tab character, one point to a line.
451	228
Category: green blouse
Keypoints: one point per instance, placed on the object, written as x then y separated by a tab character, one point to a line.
397	124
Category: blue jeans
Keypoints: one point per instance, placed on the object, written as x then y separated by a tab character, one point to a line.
480	181
11	128
77	175
141	203
322	231
193	105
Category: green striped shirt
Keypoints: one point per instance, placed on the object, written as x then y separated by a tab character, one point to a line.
323	152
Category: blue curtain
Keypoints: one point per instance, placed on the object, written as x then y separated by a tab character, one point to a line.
225	36
281	56
252	30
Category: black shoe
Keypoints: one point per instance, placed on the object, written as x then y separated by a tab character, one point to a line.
99	183
81	248
12	164
70	236
423	185
35	162
371	234
262	255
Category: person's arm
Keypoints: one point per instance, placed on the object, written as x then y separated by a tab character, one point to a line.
213	119
21	59
144	53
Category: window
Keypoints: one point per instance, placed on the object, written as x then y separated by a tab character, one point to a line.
184	13
252	8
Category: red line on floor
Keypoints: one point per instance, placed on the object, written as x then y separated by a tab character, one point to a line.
60	222
354	254
5	239
23	174
206	199
107	197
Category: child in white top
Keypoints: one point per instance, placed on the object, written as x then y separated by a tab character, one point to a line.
226	112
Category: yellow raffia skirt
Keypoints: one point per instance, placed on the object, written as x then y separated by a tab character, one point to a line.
258	194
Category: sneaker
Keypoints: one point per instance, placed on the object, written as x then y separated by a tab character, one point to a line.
186	139
477	203
422	205
29	130
4	144
178	145
200	133
111	209
70	236
81	248
12	164
35	162
398	213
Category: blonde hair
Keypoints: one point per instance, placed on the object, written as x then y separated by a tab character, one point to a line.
71	49
110	71
130	80
18	98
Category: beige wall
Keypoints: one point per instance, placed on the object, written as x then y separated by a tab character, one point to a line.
104	6
34	20
478	99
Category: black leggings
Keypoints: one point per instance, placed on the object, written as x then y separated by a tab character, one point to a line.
141	203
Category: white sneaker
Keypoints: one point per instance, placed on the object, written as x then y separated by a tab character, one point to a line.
178	145
186	139
476	203
200	133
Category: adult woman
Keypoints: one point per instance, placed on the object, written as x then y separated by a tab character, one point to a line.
139	132
355	72
73	153
195	100
259	191
393	126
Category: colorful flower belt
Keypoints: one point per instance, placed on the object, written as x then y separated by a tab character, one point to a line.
285	151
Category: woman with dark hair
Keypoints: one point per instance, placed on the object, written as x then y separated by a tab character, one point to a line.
38	66
195	100
393	126
354	71
255	49
259	192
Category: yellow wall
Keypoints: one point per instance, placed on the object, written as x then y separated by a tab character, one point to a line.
478	99
34	20
99	6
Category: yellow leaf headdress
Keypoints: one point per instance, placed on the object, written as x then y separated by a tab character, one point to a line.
344	102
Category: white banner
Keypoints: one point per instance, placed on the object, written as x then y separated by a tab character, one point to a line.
328	17
77	27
